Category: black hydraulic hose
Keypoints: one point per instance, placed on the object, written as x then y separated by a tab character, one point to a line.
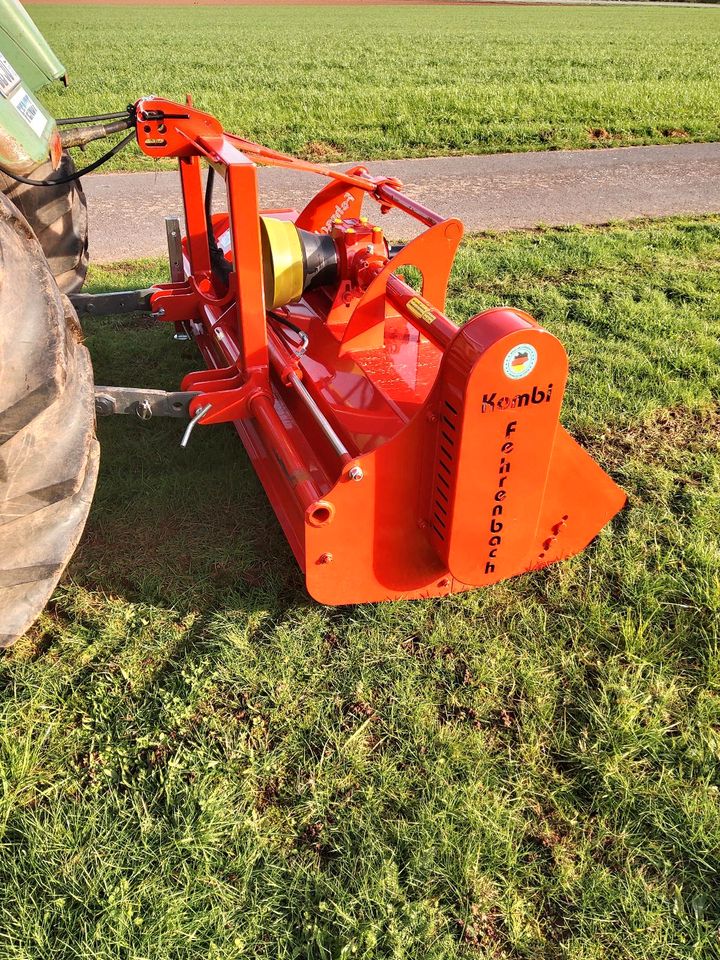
78	173
208	208
97	119
217	258
304	339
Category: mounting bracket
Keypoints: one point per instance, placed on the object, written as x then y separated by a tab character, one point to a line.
119	301
144	404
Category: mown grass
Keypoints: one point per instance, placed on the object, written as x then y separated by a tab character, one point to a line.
196	761
366	82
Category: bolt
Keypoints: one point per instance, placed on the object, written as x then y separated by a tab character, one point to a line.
143	409
370	248
104	406
159	313
325	558
356	473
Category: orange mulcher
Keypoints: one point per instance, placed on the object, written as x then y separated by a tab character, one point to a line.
404	456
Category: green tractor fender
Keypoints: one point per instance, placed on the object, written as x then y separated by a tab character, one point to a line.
26	63
31	147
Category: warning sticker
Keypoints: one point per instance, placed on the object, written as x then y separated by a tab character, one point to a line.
8	77
29	110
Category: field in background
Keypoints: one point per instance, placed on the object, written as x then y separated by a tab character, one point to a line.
359	83
198	762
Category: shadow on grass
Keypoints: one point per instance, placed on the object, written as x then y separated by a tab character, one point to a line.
191	528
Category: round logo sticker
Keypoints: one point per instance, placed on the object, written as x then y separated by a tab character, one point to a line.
520	361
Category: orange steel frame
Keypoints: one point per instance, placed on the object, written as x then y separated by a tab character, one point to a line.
399	458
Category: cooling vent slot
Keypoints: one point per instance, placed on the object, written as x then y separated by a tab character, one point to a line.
445	458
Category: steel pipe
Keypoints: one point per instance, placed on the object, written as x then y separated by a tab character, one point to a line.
421	313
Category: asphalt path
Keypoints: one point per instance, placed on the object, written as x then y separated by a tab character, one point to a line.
492	192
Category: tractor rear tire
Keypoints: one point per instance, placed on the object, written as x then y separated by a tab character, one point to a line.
58	215
48	451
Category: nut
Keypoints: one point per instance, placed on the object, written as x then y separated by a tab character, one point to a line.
104	406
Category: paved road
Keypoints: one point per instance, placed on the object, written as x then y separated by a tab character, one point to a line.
495	192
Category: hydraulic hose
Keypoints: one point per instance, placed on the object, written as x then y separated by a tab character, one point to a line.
300	334
52	182
217	257
63	121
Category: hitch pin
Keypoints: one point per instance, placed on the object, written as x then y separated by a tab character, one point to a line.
191	426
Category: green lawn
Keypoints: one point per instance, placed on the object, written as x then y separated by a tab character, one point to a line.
198	762
367	82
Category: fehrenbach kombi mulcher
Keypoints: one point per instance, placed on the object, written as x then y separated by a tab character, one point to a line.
404	456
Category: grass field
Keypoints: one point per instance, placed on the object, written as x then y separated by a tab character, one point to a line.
198	762
367	82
